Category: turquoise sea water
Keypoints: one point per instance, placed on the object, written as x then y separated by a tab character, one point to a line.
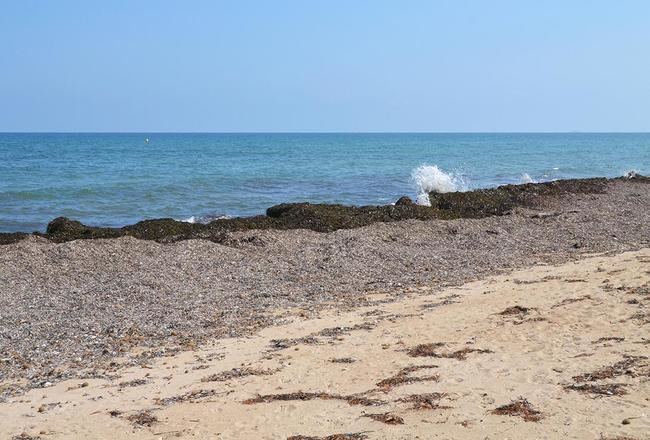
116	179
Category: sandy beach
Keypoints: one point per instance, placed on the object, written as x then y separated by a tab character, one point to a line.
569	343
530	324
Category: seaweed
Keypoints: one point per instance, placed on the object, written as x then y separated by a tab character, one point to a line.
353	399
425	401
611	389
403	377
387	418
516	310
355	436
519	408
237	373
331	217
142	418
429	350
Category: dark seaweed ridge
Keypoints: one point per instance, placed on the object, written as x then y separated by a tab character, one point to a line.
327	218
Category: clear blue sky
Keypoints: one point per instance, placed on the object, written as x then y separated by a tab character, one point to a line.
349	65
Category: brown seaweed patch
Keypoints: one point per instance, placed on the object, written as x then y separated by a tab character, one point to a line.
519	408
354	436
571	301
516	310
444	302
425	401
191	396
429	350
133	383
344	360
387	418
403	377
338	331
281	344
327	218
353	399
608	339
25	436
142	418
610	389
631	366
236	373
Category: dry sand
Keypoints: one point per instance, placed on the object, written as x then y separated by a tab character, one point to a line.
572	340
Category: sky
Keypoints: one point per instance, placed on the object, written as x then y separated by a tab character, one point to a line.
324	65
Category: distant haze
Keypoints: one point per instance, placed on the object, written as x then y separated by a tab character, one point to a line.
332	65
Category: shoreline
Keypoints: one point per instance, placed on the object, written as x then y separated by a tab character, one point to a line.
478	203
552	351
77	304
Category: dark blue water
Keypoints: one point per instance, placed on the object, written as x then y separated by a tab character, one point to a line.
116	179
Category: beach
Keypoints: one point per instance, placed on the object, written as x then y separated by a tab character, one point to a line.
413	328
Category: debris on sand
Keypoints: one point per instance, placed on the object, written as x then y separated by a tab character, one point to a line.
143	418
357	436
387	418
571	301
424	350
190	396
519	408
631	366
428	350
444	302
345	360
403	377
237	373
338	331
425	401
353	399
281	344
516	310
610	389
25	436
133	383
608	339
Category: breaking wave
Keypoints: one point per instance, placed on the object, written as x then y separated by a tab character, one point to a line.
204	218
430	178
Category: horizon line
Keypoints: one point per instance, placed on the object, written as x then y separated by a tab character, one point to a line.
326	132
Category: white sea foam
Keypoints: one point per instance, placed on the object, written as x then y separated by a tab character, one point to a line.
525	178
631	174
204	218
430	178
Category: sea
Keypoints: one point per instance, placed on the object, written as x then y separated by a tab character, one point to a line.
114	179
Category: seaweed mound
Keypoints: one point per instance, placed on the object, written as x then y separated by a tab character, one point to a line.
327	218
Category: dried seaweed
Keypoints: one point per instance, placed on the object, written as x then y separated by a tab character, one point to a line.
571	301
516	310
609	338
519	408
611	389
142	418
133	383
355	436
236	373
631	366
25	436
345	360
428	350
353	399
425	401
403	377
190	396
281	344
387	418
